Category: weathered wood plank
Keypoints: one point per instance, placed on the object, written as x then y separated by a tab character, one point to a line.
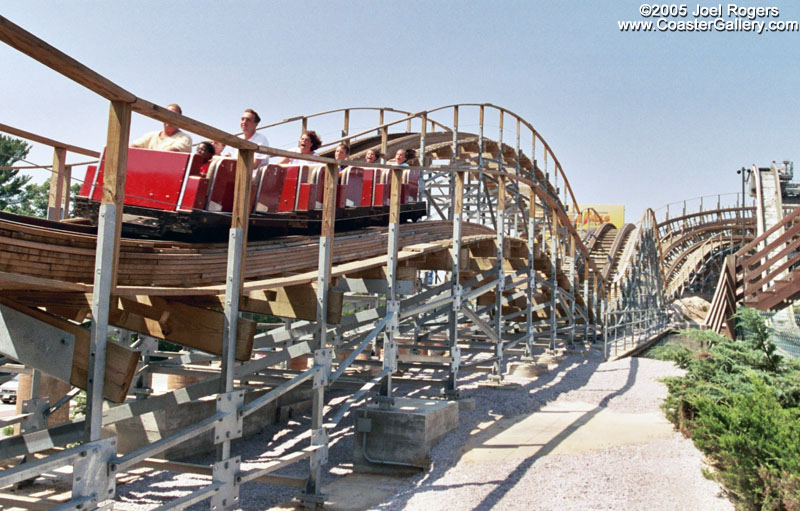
120	360
184	324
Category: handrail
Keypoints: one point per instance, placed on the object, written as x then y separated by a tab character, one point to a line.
700	197
705	212
426	115
47	141
337	110
791	216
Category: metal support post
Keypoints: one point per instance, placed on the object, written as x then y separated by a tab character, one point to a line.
392	306
312	496
604	316
231	323
517	168
530	288
423	132
498	367
480	166
586	300
105	268
93	480
553	278
142	387
234	281
451	387
572	282
99	331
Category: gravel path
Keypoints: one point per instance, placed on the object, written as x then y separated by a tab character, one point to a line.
664	474
661	474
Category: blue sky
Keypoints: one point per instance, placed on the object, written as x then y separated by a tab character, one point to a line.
640	119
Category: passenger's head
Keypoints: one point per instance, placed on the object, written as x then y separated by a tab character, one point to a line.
404	155
372	156
205	150
249	122
341	152
169	129
218	147
309	142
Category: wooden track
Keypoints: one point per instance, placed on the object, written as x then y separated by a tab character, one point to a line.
68	257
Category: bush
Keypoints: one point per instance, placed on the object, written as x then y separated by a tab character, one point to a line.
754	443
739	403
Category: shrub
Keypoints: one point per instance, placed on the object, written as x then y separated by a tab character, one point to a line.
739	403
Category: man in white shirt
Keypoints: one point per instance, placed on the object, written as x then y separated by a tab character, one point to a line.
168	139
249	123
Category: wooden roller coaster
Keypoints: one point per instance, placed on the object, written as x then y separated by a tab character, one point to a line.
494	269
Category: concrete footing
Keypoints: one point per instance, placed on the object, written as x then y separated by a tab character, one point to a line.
398	440
527	369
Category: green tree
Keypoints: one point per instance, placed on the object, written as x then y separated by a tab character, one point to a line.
12	185
35	198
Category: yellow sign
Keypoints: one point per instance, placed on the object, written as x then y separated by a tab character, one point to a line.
594	215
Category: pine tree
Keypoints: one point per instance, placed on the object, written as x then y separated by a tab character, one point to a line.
12	185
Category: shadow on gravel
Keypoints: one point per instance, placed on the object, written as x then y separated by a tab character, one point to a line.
492	405
494	497
531	398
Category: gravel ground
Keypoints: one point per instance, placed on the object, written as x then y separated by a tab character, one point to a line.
660	475
664	474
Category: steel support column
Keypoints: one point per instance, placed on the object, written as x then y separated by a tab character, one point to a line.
107	254
312	495
553	277
451	387
498	367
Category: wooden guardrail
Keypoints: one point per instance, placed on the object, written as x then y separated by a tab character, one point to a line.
759	275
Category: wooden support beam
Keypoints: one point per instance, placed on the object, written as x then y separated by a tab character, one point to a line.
384	135
501	192
181	321
294	302
376	286
116	162
329	201
33	137
380	272
394	199
66	181
483	248
480	264
440	261
55	199
120	360
241	197
178	322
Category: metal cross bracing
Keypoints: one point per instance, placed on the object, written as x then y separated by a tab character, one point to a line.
507	275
